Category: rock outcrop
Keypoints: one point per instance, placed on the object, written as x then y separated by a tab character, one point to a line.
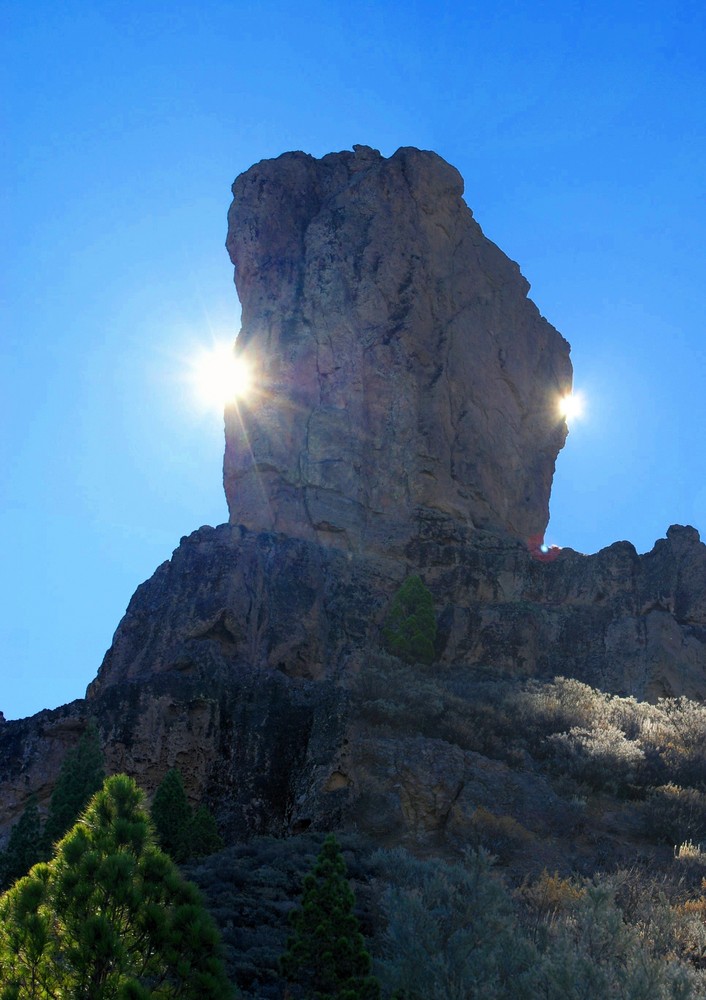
406	421
237	660
230	598
401	368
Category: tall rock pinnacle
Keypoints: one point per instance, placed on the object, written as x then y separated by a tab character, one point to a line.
402	371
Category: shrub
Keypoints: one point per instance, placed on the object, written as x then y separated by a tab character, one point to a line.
450	932
551	894
602	757
250	887
410	629
674	815
501	835
684	740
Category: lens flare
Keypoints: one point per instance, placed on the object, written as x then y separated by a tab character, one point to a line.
221	377
572	406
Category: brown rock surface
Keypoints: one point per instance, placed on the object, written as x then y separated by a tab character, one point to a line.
401	366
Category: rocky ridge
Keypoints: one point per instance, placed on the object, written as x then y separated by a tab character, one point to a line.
406	424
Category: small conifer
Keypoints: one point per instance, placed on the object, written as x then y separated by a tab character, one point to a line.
171	814
410	629
203	835
182	833
326	957
24	848
80	777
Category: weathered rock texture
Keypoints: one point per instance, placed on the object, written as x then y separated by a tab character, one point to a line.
400	364
408	414
238	661
623	622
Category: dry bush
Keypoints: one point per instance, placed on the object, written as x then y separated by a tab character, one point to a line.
548	894
501	835
674	815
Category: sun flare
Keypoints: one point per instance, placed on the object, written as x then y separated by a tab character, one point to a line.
572	406
221	377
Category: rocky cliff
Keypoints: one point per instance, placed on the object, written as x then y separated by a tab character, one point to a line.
240	662
401	367
406	421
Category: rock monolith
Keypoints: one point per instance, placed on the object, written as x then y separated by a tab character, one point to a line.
400	367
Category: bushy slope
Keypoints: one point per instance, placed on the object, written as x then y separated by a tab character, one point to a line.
583	877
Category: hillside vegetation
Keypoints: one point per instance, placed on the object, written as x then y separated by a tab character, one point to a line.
599	891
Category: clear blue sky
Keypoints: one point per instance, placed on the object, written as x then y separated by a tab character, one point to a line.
580	130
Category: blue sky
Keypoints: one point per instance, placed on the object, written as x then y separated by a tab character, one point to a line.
580	130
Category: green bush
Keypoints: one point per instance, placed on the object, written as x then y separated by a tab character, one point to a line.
454	932
450	932
249	888
410	629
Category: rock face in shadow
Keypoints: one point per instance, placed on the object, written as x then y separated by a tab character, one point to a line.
238	662
401	367
230	598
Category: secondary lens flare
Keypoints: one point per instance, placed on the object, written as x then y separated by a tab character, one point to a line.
572	406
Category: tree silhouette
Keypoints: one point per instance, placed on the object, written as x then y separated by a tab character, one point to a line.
182	833
80	777
24	848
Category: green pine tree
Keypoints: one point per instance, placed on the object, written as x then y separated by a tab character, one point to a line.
203	836
24	848
172	815
326	957
109	917
182	833
410	629
80	777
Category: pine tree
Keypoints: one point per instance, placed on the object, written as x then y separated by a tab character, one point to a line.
172	816
24	848
410	630
203	836
109	916
182	833
326	957
80	777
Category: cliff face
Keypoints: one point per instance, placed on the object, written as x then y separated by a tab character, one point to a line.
242	662
406	421
622	622
401	367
